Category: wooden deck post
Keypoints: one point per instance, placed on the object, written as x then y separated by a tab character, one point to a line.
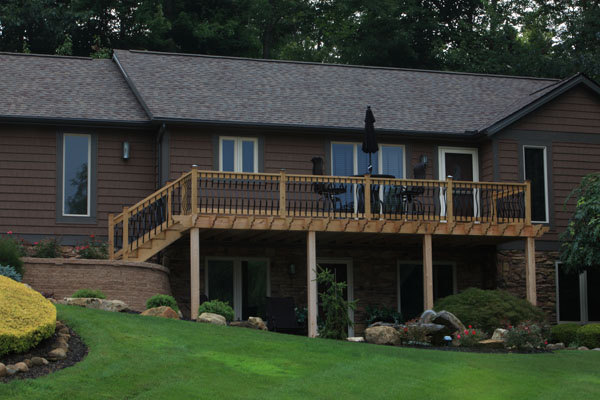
427	273
111	236
194	272
528	202
368	214
125	232
449	200
530	281
194	197
311	283
282	199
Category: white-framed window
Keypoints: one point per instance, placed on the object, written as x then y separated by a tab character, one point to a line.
238	154
76	175
348	159
577	297
243	282
535	168
410	285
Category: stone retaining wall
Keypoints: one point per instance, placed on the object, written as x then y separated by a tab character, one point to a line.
131	282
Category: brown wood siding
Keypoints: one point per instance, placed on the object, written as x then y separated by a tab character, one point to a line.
508	160
189	146
294	153
577	111
486	160
570	162
28	163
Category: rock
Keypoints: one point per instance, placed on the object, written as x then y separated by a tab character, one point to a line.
427	317
162	311
212	318
450	321
582	348
596	349
59	325
97	304
36	361
28	362
249	324
435	331
21	367
492	343
64	335
499	334
61	343
64	330
3	370
57	354
382	335
257	323
11	370
356	339
555	346
379	323
52	300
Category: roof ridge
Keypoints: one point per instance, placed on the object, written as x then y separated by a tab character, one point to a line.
8	53
338	65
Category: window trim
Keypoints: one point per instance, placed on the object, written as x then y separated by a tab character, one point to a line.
237	279
90	218
399	264
355	150
238	152
583	303
544	148
474	151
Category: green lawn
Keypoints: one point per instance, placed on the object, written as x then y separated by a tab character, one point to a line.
135	357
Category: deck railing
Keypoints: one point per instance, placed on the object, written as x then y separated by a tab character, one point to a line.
315	196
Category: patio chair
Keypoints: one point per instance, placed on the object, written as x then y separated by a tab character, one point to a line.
281	316
327	191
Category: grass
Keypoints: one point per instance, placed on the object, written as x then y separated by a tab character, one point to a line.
135	357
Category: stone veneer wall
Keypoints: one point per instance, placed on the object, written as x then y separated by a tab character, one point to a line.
511	276
131	282
375	280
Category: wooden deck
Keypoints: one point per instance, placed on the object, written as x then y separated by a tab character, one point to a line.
282	202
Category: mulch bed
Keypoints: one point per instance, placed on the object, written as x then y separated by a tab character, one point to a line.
478	349
77	352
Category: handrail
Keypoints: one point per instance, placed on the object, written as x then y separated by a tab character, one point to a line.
320	196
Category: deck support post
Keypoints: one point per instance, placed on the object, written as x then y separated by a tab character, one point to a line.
427	273
311	283
194	272
530	281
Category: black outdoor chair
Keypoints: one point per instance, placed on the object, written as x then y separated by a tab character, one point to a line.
281	316
328	191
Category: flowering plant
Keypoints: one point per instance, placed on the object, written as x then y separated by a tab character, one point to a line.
526	336
92	249
414	334
470	337
19	243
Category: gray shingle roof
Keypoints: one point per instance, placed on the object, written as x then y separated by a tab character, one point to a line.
246	91
51	87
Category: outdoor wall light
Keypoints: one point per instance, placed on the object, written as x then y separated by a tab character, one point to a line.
424	158
292	270
126	150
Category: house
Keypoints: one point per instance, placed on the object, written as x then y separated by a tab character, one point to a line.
210	162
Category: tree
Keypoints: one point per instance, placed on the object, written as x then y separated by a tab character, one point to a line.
580	248
335	307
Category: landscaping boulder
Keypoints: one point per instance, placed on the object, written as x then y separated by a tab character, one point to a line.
492	343
382	335
450	321
97	304
21	367
555	346
427	317
37	361
499	334
379	323
582	348
257	323
11	370
162	311
3	370
57	354
435	331
356	339
212	318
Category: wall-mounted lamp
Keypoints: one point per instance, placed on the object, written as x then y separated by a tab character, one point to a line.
292	270
424	158
126	149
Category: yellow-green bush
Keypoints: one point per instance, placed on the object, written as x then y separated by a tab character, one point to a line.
26	317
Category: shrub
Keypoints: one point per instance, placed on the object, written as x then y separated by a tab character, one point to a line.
589	336
89	293
564	333
415	334
217	307
159	300
92	249
383	314
490	309
47	248
27	317
335	307
526	337
10	254
469	337
10	272
19	242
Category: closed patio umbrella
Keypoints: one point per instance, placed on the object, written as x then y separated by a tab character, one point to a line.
370	142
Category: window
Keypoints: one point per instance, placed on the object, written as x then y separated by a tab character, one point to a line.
76	172
576	299
536	171
238	154
410	286
348	159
